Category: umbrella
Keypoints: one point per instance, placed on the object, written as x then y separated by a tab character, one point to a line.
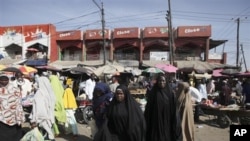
12	69
153	70
2	67
200	76
167	68
108	69
26	70
197	66
134	71
217	73
244	74
79	70
230	71
52	68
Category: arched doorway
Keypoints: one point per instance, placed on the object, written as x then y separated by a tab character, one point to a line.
127	52
14	51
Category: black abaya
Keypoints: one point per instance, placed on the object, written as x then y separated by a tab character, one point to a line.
162	118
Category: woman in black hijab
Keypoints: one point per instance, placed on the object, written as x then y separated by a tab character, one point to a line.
125	120
161	114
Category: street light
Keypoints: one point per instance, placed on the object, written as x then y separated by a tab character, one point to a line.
103	30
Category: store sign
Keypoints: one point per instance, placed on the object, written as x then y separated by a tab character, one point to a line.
155	32
162	56
126	32
97	34
65	34
194	31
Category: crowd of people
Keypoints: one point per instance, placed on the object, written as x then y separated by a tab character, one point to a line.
49	107
169	113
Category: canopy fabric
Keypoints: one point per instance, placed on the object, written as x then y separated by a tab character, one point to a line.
230	71
48	67
11	69
91	63
167	68
2	66
198	66
79	70
134	71
108	69
152	63
200	76
243	74
64	64
153	70
217	73
26	70
127	63
6	61
37	62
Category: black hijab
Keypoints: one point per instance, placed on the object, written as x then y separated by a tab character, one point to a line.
125	120
162	118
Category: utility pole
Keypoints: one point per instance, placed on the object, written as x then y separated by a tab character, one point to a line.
169	39
243	57
238	46
103	31
170	34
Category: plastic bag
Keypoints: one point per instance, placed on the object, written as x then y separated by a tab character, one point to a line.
33	135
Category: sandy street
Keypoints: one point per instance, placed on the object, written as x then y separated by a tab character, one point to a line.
206	130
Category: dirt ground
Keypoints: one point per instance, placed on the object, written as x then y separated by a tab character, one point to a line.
208	130
205	130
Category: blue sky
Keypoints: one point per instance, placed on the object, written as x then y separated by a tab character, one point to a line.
84	14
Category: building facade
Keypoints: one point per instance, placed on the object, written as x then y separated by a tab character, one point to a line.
130	46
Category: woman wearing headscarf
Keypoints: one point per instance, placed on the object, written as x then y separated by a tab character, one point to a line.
70	107
102	96
185	109
125	120
42	114
60	113
11	111
161	113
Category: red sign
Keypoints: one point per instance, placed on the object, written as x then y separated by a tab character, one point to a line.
69	35
10	31
35	32
96	34
155	32
194	31
127	32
